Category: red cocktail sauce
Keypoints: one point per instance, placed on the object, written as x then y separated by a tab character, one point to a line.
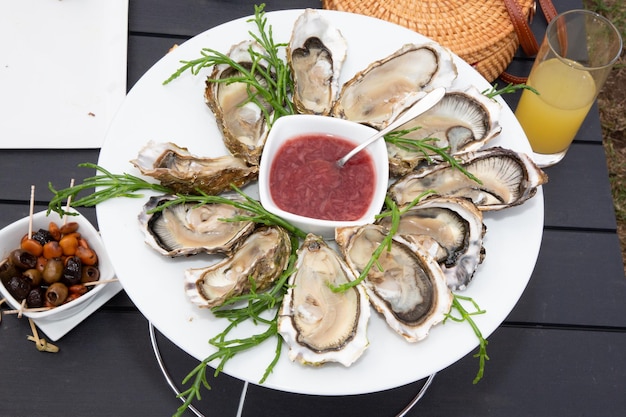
305	179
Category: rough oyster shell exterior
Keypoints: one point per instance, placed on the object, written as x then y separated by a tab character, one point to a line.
180	171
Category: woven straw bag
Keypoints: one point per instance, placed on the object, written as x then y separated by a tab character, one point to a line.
484	33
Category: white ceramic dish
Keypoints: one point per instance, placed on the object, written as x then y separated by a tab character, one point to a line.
288	127
10	237
177	112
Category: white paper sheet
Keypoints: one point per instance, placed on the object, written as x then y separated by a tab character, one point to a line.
62	71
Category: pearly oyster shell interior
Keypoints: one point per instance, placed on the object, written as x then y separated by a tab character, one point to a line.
318	324
383	90
507	178
261	258
315	54
409	288
187	229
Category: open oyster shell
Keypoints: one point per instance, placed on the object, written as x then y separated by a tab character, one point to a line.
451	229
378	94
187	229
463	121
320	325
409	289
262	257
315	54
508	178
242	122
182	172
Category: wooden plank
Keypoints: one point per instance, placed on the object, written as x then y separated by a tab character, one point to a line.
104	367
144	52
23	168
578	280
196	16
530	372
578	194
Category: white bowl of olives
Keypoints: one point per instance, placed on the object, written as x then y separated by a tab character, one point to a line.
51	270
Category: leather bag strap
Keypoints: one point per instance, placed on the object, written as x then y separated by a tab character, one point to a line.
526	38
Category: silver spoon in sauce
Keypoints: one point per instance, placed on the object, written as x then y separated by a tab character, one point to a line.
425	103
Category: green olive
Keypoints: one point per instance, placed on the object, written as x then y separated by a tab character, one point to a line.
53	271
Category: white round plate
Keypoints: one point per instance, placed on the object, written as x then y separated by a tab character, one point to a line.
177	113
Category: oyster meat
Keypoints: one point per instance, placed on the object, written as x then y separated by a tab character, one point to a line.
451	229
242	122
409	289
262	257
507	178
317	324
179	170
463	121
378	94
316	53
187	229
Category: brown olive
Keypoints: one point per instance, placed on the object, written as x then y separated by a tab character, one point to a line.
56	294
35	298
22	259
18	287
53	271
8	271
72	273
89	274
34	275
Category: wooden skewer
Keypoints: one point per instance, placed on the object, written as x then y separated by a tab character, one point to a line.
32	207
27	310
20	311
41	344
104	281
69	202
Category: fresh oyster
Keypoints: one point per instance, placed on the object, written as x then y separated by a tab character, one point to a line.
242	122
507	178
187	229
315	54
378	94
451	229
320	325
409	288
261	258
182	172
463	121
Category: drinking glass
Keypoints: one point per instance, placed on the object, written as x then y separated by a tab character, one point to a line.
573	62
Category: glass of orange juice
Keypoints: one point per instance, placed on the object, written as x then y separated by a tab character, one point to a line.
574	60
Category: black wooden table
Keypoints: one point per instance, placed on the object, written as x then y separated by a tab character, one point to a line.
561	351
